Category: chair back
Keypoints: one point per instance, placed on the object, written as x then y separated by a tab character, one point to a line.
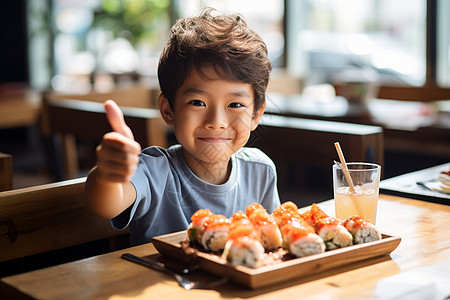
135	95
6	172
297	145
78	120
48	217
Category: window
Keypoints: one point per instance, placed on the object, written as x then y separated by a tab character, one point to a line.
265	17
443	43
95	37
313	39
330	38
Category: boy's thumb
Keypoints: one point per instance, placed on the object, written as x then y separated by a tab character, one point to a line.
116	120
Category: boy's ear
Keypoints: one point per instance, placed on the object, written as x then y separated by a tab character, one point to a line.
257	117
165	109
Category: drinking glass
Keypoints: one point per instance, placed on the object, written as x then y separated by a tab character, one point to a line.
363	201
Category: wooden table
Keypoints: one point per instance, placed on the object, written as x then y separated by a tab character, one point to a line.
19	109
410	127
423	227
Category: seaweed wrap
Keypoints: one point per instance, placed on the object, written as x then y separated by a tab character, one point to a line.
267	229
333	233
216	232
328	228
301	240
196	229
361	229
243	247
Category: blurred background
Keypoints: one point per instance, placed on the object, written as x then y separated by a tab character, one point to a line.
393	50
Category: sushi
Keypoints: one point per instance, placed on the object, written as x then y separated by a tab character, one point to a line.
239	216
243	247
196	229
361	229
299	238
256	238
285	212
444	180
333	233
289	206
328	228
216	232
313	215
301	241
251	208
267	229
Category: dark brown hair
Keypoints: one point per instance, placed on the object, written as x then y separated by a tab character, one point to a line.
224	42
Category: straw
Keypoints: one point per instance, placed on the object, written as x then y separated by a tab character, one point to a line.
344	167
348	177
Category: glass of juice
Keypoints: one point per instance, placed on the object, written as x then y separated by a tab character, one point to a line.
363	201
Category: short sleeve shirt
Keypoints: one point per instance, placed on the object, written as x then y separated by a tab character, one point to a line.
169	193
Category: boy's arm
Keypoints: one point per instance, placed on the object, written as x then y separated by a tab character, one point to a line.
108	199
108	188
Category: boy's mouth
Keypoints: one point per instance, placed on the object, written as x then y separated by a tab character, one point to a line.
214	139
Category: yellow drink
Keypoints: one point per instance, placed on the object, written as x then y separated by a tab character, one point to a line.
363	203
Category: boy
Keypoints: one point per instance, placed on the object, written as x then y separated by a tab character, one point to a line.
213	73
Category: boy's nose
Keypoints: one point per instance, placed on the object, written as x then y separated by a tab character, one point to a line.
216	119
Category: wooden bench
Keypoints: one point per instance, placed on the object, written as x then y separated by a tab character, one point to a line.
72	120
49	217
6	172
135	95
304	148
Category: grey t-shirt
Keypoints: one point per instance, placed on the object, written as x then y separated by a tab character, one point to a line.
169	193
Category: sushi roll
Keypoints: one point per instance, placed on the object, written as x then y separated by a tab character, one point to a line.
196	229
251	208
301	241
289	206
361	229
243	247
216	232
239	216
333	233
444	180
313	215
328	228
267	229
285	212
299	238
244	251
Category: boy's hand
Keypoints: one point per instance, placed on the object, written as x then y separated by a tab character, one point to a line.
117	155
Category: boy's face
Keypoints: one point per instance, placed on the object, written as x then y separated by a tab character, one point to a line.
213	117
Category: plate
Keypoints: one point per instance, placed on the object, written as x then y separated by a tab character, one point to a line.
435	186
169	245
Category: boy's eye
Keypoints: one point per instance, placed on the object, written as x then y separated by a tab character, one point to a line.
197	103
236	105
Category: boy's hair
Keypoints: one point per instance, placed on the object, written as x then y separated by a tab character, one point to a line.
226	43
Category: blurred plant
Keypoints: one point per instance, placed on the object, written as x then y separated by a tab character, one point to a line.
139	21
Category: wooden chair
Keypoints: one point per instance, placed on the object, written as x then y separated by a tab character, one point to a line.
281	82
77	120
48	217
304	148
135	95
6	172
407	93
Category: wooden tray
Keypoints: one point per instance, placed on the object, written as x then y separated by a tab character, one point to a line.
169	245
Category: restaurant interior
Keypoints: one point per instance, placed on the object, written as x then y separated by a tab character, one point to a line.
373	75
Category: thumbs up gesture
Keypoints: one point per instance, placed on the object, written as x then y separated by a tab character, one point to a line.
117	155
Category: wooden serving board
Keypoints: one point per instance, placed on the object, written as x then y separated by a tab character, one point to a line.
169	245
